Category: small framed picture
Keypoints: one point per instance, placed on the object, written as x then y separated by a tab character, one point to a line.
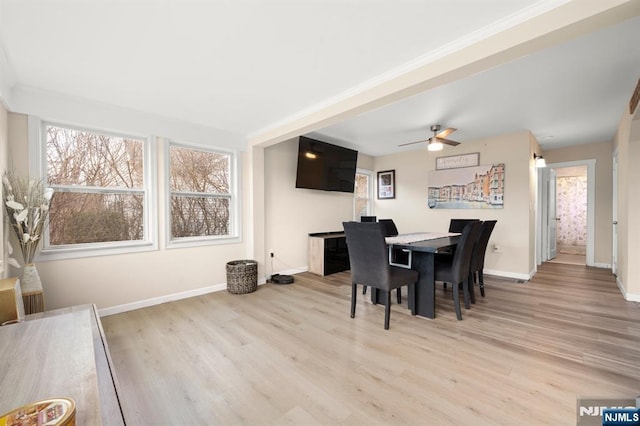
387	184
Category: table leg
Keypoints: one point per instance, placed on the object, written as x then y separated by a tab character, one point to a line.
425	297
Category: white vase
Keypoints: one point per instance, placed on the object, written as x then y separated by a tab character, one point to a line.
31	287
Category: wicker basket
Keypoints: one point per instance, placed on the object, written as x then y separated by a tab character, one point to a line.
242	276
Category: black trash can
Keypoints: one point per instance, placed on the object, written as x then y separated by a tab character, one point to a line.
242	276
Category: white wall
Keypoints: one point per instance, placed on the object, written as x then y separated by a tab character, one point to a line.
4	134
627	144
410	211
131	280
293	213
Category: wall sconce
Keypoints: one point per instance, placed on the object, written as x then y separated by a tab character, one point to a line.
539	160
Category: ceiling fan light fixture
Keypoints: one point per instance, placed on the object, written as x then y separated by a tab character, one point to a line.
434	145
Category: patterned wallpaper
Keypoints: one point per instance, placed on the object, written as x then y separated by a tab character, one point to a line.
572	210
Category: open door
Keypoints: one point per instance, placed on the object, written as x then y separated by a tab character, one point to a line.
552	225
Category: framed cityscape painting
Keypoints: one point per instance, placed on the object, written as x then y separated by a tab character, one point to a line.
480	187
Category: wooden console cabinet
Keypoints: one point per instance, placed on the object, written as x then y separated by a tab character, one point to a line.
61	353
328	253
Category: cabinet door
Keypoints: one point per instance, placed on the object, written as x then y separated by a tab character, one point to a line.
336	256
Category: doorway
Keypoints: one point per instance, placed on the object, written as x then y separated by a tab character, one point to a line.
571	215
566	212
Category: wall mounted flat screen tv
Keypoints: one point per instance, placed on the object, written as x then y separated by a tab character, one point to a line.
324	166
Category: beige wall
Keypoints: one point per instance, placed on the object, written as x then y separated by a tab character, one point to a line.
133	279
633	213
4	135
18	147
621	144
410	212
627	145
534	148
601	152
293	213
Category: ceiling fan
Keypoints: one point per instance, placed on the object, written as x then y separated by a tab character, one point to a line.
435	143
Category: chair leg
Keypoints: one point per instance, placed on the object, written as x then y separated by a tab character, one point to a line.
444	285
354	293
481	280
456	303
465	292
472	290
364	289
387	311
399	295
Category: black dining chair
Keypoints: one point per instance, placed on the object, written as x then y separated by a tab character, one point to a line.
390	228
457	225
370	265
455	269
368	218
477	257
396	256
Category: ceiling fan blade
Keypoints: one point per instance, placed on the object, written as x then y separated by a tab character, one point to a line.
446	132
447	141
411	143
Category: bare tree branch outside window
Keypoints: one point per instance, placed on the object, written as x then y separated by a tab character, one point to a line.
99	184
200	192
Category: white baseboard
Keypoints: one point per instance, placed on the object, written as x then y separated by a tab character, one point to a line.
602	265
631	297
112	310
293	271
505	274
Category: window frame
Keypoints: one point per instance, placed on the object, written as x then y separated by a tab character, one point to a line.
38	142
235	206
370	196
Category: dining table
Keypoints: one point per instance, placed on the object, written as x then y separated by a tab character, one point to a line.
422	248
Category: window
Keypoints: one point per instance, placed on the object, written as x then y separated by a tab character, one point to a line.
201	199
363	194
101	192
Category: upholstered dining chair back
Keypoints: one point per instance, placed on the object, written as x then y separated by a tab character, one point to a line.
457	225
464	249
455	269
390	228
476	268
480	248
367	253
370	265
368	218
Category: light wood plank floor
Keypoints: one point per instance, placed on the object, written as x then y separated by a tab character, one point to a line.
290	354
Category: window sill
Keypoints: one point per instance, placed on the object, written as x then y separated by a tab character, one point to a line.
94	251
202	241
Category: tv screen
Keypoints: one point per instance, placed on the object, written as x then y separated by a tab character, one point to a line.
324	166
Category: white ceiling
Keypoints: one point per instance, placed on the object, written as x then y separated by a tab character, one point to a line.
247	65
